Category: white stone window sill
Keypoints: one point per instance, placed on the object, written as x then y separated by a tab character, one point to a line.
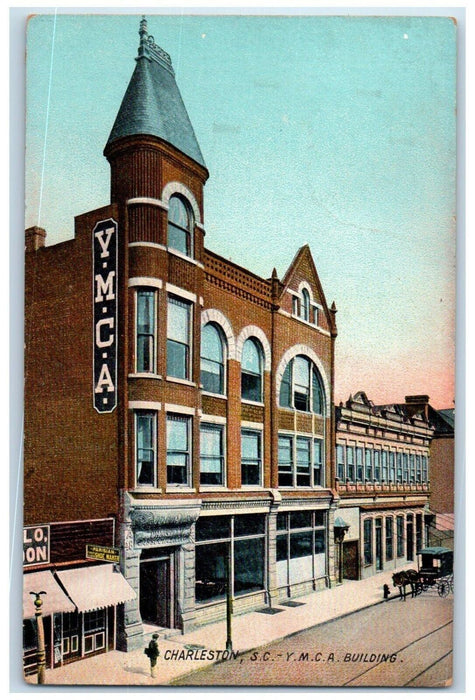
252	403
180	489
213	489
142	488
183	256
144	375
177	380
216	396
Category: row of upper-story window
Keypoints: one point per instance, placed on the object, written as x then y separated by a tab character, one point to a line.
380	465
301	385
301	458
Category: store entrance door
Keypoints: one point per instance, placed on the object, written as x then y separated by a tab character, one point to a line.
350	560
156	591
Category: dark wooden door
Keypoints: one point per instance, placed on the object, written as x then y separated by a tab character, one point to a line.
350	560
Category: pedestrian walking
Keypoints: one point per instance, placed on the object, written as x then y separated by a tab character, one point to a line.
153	652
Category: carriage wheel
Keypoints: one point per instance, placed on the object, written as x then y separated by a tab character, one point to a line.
443	589
424	584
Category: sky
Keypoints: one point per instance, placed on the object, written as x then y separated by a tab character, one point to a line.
335	131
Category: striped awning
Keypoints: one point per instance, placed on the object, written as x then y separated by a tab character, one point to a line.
94	587
54	598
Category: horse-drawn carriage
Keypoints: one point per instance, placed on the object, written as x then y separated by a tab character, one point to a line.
435	568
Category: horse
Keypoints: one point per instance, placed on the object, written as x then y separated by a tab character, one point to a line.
401	579
414	580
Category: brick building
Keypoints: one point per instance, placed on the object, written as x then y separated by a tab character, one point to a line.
442	463
382	479
178	406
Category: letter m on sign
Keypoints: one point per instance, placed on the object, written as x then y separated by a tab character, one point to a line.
104	302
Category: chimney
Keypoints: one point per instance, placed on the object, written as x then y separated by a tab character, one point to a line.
34	239
418	403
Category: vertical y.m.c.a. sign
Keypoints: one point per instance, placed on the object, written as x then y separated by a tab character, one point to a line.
104	290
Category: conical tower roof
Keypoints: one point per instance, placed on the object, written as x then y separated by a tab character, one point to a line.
152	104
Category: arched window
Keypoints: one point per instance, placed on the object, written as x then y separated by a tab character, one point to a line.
251	370
305	307
301	387
212	359
180	225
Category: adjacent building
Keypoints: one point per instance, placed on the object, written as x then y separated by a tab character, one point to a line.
179	408
383	481
442	463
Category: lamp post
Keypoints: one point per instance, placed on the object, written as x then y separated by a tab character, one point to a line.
340	529
40	635
229	602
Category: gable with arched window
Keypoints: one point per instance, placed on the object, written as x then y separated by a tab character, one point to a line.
252	368
301	387
213	359
180	225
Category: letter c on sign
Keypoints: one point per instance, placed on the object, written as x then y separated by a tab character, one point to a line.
104	322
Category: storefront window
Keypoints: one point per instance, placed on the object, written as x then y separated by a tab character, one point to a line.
301	546
248	566
242	540
400	535
389	538
210	572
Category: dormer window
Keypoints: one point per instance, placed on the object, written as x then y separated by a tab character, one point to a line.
180	226
303	305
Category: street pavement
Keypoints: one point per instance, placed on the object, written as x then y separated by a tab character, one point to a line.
395	644
203	647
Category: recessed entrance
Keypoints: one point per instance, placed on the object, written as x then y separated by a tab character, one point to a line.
157	588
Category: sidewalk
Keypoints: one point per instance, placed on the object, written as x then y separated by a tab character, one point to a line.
192	651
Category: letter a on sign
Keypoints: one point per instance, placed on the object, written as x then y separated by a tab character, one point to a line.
104	301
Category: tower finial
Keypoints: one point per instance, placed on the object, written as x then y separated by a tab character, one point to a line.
143	27
143	34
